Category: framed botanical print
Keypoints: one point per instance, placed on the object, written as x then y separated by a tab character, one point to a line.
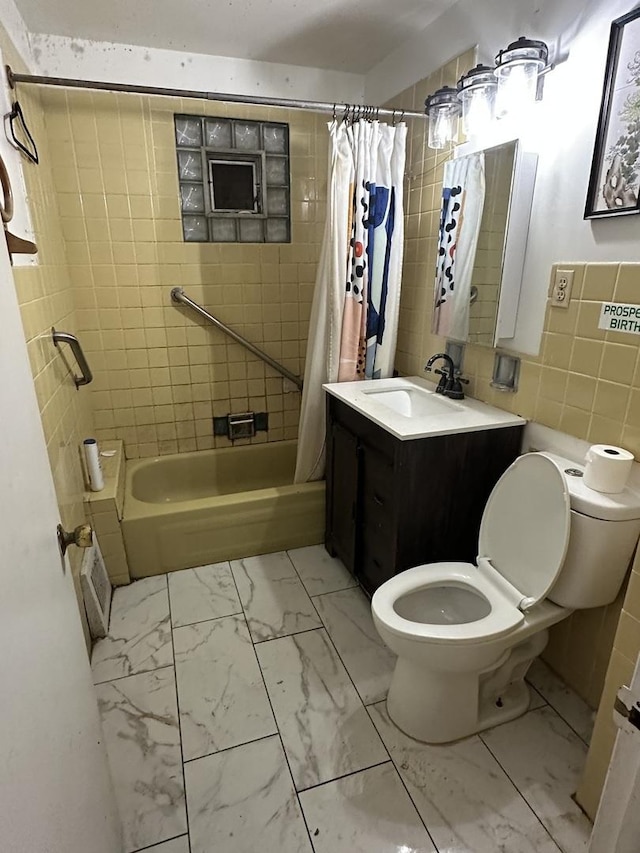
614	184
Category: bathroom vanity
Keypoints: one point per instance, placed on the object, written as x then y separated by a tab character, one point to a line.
408	474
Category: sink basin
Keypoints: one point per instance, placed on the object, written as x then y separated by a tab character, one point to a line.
408	407
413	402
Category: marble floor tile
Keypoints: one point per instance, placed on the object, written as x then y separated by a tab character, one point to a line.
242	801
198	595
545	758
347	618
367	812
140	724
176	845
536	700
324	726
221	694
465	799
573	710
273	598
139	638
320	572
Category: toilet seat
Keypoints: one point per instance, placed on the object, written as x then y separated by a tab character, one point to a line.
502	619
524	535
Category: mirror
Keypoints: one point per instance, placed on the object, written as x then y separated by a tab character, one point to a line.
484	222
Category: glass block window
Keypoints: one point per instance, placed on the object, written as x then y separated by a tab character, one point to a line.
234	180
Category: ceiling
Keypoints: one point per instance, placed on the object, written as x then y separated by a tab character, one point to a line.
343	35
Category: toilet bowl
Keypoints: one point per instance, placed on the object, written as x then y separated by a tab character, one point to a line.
465	635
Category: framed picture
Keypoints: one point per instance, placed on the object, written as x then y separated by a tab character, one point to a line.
614	184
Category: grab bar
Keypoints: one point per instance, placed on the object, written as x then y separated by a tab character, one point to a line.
178	295
74	343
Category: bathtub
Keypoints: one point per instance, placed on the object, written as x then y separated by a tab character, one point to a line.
191	509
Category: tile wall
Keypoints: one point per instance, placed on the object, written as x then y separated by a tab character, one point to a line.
161	374
626	647
46	299
584	382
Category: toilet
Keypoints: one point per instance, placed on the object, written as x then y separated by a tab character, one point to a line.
465	635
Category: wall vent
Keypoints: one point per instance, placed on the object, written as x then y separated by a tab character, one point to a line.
96	590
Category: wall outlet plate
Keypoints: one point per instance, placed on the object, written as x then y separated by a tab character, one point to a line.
561	288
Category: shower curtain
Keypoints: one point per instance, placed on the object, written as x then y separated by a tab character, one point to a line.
354	315
463	190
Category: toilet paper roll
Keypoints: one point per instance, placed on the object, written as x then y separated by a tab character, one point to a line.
607	469
96	480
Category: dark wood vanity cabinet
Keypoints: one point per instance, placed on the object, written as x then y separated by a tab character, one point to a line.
395	504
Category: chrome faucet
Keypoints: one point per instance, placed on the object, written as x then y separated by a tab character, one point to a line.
450	384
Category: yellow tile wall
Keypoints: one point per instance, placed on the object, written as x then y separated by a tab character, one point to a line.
626	647
46	299
161	374
584	382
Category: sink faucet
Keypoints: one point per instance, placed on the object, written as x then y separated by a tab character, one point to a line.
450	384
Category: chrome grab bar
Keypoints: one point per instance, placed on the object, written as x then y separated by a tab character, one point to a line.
67	338
178	295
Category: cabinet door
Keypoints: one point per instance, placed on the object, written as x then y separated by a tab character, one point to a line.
342	494
377	520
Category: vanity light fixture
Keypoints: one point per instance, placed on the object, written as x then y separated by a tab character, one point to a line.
518	69
477	94
443	109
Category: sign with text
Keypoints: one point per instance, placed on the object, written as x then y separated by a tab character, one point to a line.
620	317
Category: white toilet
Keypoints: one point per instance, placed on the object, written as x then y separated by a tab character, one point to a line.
465	635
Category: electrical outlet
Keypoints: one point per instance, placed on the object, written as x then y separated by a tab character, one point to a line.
561	290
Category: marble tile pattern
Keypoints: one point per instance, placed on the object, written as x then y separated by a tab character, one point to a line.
273	598
347	618
242	801
139	638
140	724
221	694
464	797
367	812
261	715
320	572
197	595
573	710
544	758
325	729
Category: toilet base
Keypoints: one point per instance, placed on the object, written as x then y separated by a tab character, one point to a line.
439	707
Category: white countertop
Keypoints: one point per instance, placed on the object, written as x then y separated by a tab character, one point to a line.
449	416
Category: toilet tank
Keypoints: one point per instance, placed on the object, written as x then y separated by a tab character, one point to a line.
604	533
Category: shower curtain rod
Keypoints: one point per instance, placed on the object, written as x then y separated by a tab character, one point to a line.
360	110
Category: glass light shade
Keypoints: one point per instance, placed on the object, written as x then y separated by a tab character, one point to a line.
477	94
517	70
443	109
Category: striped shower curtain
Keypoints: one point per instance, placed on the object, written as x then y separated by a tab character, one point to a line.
354	316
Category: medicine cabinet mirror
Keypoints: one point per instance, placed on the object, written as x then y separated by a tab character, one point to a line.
479	269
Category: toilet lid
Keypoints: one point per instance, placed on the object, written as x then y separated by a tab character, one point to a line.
525	525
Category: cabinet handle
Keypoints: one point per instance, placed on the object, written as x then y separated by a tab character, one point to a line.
377	500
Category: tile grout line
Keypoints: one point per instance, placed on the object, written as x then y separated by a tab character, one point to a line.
426	828
228	748
401	778
275	720
158	843
133	675
550	704
520	793
175	684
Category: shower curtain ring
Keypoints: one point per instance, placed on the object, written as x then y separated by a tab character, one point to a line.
402	116
334	112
